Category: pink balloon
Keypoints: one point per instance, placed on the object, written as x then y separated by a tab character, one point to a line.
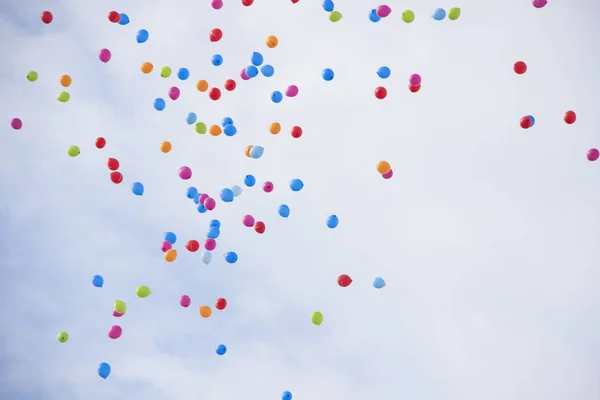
185	301
244	76
115	332
268	187
104	55
217	4
593	154
174	93
117	314
415	80
248	221
185	173
210	244
388	175
166	246
203	198
210	204
539	3
16	123
291	91
383	11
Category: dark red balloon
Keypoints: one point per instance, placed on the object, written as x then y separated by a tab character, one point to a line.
221	303
296	132
230	85
214	93
114	17
247	3
216	35
414	88
192	245
295	1
344	280
525	122
100	143
381	93
520	67
260	227
47	17
116	177
113	164
570	117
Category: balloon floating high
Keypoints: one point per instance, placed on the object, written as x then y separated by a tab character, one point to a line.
378	283
373	17
539	3
170	255
380	93
259	227
383	167
296	185
296	132
137	188
16	124
383	11
335	16
114	17
205	311
215	35
593	154
327	74
287	395
185	301
115	332
32	76
520	67
206	257
525	122
332	221
221	349
63	337
268	187
120	306
408	16
165	72
328	5
143	291
98	281
221	303
65	81
47	17
73	151
384	72
100	143
248	221
249	180
63	97
104	370
438	14
344	280
231	257
317	318
142	36
570	117
284	211
454	13
123	19
104	55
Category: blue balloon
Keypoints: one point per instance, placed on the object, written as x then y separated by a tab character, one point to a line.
192	193
202	209
231	257
123	19
287	395
384	72
98	281
183	74
217	60
296	185
378	283
276	96
159	104
229	130
327	74
215	223
250	180
373	17
328	5
267	70
191	118
227	195
438	14
284	210
221	349
137	188
213	232
170	237
332	221
142	36
251	71
197	199
226	121
532	120
257	152
104	370
257	59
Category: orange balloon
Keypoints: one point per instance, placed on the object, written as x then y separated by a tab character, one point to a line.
165	147
247	151
147	67
170	255
202	85
65	80
275	128
205	311
272	41
383	167
215	130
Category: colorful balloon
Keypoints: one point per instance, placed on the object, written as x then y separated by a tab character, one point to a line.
408	16
32	76
570	117
332	221
593	154
16	124
206	257
174	93
272	41
296	185
539	3
249	180
143	291
120	306
205	311
317	318
104	370
185	173
284	211
185	301
165	246
380	92
98	281
438	14
335	16
383	11
115	332
137	188
414	79
344	280
520	67
292	91
287	395
268	187
221	303
231	257
170	255
63	337
454	13
142	36
327	74
248	221
373	17
104	55
267	70
384	72
276	96
73	151
383	167
388	175
221	349
170	237
160	104
378	283
165	72
260	227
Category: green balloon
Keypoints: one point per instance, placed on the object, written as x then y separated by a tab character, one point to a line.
63	97
454	13
120	306
408	16
201	128
73	151
335	16
63	337
165	72
317	318
143	292
32	76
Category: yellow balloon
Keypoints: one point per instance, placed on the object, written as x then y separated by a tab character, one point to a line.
170	255
317	318
275	128
383	167
205	311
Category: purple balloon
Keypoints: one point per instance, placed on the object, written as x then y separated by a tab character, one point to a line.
291	91
16	123
415	79
104	55
185	173
166	246
388	175
117	314
539	3
185	301
210	204
268	187
115	332
217	4
174	93
210	244
383	11
593	154
244	76
248	221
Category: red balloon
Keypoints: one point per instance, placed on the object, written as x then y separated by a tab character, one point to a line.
295	1
381	93
47	17
116	177
216	35
525	122
192	245
221	303
113	164
214	93
344	280
520	67
414	88
230	85
570	117
259	227
247	3
296	132
114	17
100	143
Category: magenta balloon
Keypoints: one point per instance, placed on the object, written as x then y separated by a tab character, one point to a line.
210	244
185	173
383	11
268	187
291	91
117	314
217	4
16	123
203	198
185	301
539	3
115	332
415	79
174	93
248	221
593	154
244	76
388	175
104	55
210	204
166	246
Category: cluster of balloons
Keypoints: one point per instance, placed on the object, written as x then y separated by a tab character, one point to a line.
384	73
527	121
334	15
291	91
256	66
254	152
385	169
345	281
115	176
376	14
414	83
439	14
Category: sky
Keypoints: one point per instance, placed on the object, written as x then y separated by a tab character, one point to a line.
486	235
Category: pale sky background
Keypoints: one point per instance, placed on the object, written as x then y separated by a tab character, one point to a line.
486	236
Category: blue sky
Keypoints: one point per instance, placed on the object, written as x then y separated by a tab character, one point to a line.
486	235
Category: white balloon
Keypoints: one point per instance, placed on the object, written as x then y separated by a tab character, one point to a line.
206	257
236	190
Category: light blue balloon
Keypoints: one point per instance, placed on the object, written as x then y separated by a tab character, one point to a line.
287	395
384	72
191	118
251	71
296	185
206	257
137	188
217	60
532	120
257	59
215	223
249	180
231	257
142	36
327	74
170	237
229	130
104	370
227	195
183	74
328	5
124	19
276	96
284	210
373	17
213	232
332	221
257	152
438	14
192	193
267	70
221	349
378	283
226	121
98	281
201	209
159	104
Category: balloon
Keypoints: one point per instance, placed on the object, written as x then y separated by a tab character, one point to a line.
210	244
16	124
203	198
247	3
328	5
570	117
206	257
408	16
174	93
276	96
214	94
142	36
104	55
100	143
202	209
215	223
259	227
383	167
532	119
73	151
117	314
215	35
593	154
257	59
104	370
221	303
142	292
205	311
453	13
183	74
287	395
191	192
170	237
539	3
378	283
63	337
520	67
344	280
384	72
165	246
296	185
116	177
383	11
388	175
217	60
414	88
373	17
213	232
185	301
272	41
268	187
63	97
137	188
202	85
249	181
380	92
165	72
284	210
251	71
317	318
170	255
192	246
221	349
267	70
231	257
32	76
227	195
525	122
275	128
120	306
114	17
414	79
210	204
185	173
47	17
159	104
217	4
438	14
327	74
201	128
230	85
123	19
248	221
291	91
332	221
257	152
296	132
98	281
236	190
65	81
113	164
115	332
243	75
